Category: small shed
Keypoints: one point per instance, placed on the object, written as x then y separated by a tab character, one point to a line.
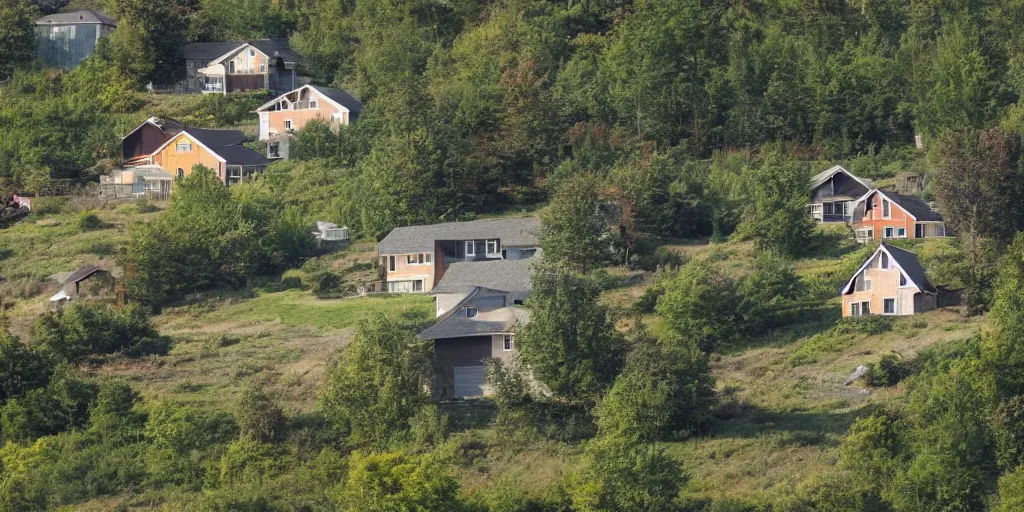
90	281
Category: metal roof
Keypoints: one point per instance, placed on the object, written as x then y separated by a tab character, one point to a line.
81	17
82	274
513	233
215	50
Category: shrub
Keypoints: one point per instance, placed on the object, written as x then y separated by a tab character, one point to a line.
620	475
389	481
664	391
248	461
768	295
429	427
701	303
517	418
1011	491
115	416
86	328
89	221
1009	432
378	383
181	440
21	368
887	372
258	417
64	403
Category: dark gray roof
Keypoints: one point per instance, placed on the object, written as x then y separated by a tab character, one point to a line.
341	97
908	262
82	17
227	144
914	206
276	48
208	51
454	324
827	174
507	275
519	232
82	274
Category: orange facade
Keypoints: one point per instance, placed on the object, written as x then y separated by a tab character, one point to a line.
182	153
887	220
299	117
410	272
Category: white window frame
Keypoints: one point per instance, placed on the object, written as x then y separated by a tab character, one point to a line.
497	247
887	232
178	147
314	104
473	310
886	206
181	173
904	280
508	342
288	123
392	264
895	306
864	303
263	68
252	53
855	309
421	285
428	258
470	248
904	230
942	228
883	261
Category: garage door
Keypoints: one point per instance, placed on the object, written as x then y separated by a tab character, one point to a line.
470	380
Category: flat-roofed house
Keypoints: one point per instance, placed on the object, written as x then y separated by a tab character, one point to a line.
890	282
414	259
834	192
292	110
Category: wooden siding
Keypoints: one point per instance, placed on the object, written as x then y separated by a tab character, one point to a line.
171	160
884	284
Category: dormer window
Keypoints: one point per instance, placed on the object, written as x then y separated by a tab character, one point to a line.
493	247
471	311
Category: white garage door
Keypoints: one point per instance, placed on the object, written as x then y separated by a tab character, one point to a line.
470	380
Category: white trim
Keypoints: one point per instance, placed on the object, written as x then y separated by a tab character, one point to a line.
892	261
137	128
891	203
320	95
470	243
836	169
895	306
511	339
232	52
193	139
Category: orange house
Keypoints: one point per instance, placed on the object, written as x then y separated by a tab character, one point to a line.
219	150
291	112
881	215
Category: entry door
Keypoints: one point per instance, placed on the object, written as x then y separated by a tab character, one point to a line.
470	380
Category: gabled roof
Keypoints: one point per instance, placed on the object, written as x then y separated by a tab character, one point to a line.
455	324
225	145
218	51
82	274
513	233
167	125
905	260
82	17
508	275
823	176
913	206
338	97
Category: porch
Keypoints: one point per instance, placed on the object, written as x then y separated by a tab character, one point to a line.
832	211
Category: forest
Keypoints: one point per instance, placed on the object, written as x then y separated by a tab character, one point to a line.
685	318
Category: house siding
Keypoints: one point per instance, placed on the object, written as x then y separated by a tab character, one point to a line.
171	160
406	272
873	219
323	112
886	284
450	353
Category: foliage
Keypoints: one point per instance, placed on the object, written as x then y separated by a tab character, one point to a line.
21	368
665	390
769	294
17	36
776	215
618	474
85	328
572	233
377	385
64	403
386	481
258	417
1001	350
886	372
701	304
181	440
570	342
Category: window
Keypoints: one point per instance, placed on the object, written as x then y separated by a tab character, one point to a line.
410	259
493	247
919	230
471	248
416	259
887	233
312	104
252	53
886	209
855	309
867	283
940	230
429	258
183	147
885	261
509	340
471	311
871	233
903	279
181	172
287	124
828	208
417	286
273	150
865	308
901	233
392	264
889	306
263	68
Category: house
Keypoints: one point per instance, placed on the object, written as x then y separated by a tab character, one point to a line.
890	282
237	66
67	38
415	258
88	281
149	181
140	143
459	280
834	192
478	328
880	215
220	150
292	110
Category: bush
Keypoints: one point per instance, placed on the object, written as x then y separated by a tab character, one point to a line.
769	294
664	391
1008	424
115	416
49	205
619	475
887	372
248	461
89	221
64	403
184	443
429	427
517	418
258	417
701	304
389	481
1011	491
21	368
86	328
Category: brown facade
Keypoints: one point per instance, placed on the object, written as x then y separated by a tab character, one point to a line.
463	353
